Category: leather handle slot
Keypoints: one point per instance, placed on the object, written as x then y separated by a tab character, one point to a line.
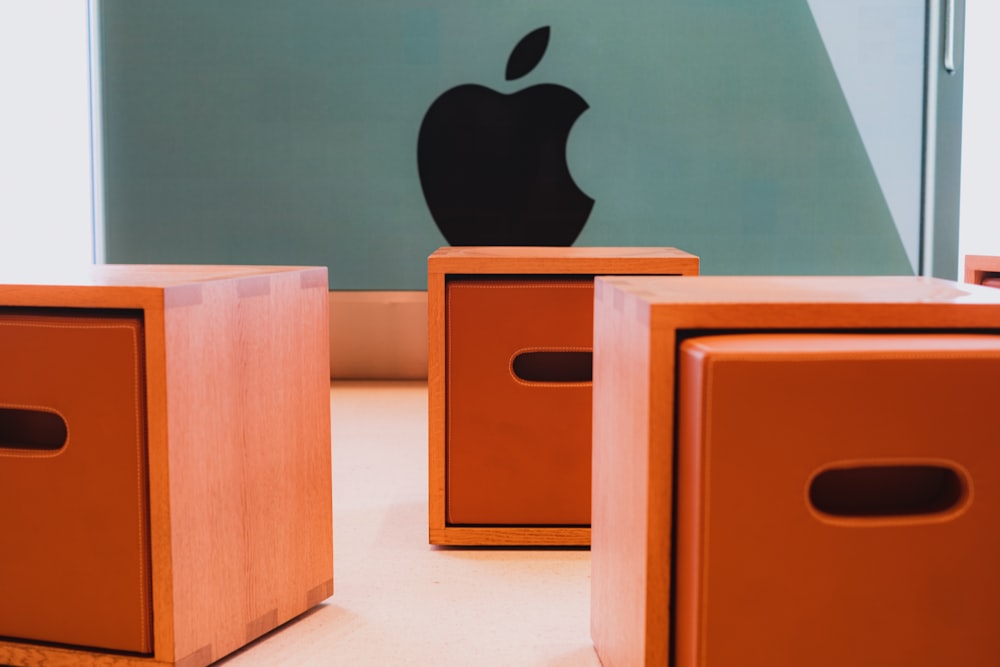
887	491
32	429
554	366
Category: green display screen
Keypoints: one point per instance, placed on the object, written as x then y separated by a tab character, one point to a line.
767	137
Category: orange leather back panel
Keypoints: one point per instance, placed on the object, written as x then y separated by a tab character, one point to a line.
74	554
518	451
771	570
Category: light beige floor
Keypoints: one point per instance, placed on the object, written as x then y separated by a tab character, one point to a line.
399	601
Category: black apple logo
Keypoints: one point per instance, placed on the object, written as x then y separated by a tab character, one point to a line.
493	166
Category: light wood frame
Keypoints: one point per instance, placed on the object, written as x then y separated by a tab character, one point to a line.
238	437
638	322
511	261
981	267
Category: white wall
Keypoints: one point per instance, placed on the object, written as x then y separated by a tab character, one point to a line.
980	205
45	156
45	159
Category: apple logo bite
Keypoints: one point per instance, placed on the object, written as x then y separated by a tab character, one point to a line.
493	166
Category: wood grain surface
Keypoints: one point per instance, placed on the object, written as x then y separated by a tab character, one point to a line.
513	263
638	321
238	437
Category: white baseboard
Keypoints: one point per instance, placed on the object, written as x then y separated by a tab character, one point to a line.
378	335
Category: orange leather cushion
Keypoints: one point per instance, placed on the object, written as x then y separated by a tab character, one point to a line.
74	547
518	449
838	501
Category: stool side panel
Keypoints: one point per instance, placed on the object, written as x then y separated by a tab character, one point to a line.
248	422
620	533
436	411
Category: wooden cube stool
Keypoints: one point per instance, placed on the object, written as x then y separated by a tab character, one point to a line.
795	471
165	477
982	270
509	380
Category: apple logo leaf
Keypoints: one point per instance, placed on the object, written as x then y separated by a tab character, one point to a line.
528	53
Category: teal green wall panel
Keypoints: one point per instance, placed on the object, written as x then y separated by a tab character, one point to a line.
285	133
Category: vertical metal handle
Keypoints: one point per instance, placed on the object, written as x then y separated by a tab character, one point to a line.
949	36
